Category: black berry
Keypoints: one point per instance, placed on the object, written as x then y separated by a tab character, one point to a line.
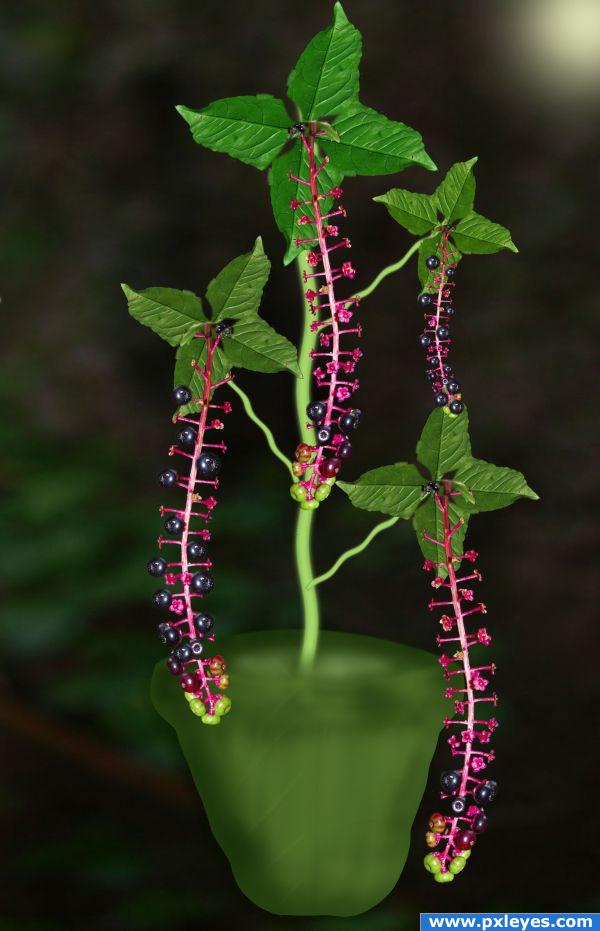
186	437
485	793
162	598
183	653
196	550
450	273
458	805
450	781
202	583
323	435
316	411
174	666
174	526
443	332
225	327
168	478
432	262
348	422
344	451
196	648
431	376
208	465
449	310
456	406
424	340
432	361
453	386
440	399
480	823
156	566
424	300
182	395
448	370
203	623
168	634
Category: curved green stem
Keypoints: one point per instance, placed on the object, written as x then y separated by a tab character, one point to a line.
390	269
247	404
354	551
304	526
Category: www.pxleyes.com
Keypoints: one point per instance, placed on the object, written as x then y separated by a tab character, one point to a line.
519	921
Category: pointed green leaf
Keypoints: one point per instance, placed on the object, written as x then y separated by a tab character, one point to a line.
326	74
186	374
456	192
238	287
251	129
476	235
167	311
428	518
433	247
257	346
415	212
492	486
394	489
370	144
284	190
444	442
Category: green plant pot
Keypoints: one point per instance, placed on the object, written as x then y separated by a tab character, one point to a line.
311	783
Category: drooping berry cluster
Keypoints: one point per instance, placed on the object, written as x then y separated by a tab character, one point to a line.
318	464
438	305
452	835
203	679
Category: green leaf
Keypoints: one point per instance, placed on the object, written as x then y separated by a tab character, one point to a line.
257	346
476	235
280	776
326	75
251	129
370	144
444	442
428	518
394	489
492	486
238	287
433	247
415	212
284	190
186	374
456	193
168	312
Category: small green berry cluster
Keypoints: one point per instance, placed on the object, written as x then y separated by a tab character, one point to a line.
456	865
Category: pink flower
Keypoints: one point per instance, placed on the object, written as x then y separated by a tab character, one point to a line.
446	622
471	555
454	742
466	593
303	220
336	193
468	736
310	295
342	393
325	339
483	636
177	606
312	258
459	707
332	230
227	408
357	354
428	565
484	736
343	315
332	368
294	204
444	661
314	327
347	270
493	724
478	682
210	503
347	367
478	764
437	582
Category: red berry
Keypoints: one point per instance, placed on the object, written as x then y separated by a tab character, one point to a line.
329	468
464	840
189	682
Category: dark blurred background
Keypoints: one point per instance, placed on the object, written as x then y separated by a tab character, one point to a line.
101	184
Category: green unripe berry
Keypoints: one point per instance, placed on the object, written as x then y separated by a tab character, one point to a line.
311	505
457	865
329	481
444	877
432	864
322	492
197	707
465	854
211	719
189	696
223	705
298	491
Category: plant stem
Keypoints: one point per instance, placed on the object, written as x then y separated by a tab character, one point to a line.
249	410
390	269
355	550
304	525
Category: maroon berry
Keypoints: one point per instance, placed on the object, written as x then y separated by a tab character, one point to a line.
190	682
464	840
329	468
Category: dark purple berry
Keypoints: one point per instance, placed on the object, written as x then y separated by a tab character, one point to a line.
450	272
196	550
449	310
357	414
168	634
484	793
183	653
208	465
174	526
168	478
440	399
174	666
453	386
456	406
323	435
202	583
432	262
186	437
432	361
424	340
182	395
431	376
424	300
225	327
344	451
450	781
480	823
162	598
203	623
443	332
156	566
316	411
448	370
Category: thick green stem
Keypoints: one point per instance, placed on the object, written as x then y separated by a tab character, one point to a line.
304	526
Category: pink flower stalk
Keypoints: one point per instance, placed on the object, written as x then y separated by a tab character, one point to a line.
457	832
202	678
331	418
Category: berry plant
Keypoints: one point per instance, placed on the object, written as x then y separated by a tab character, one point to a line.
309	147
